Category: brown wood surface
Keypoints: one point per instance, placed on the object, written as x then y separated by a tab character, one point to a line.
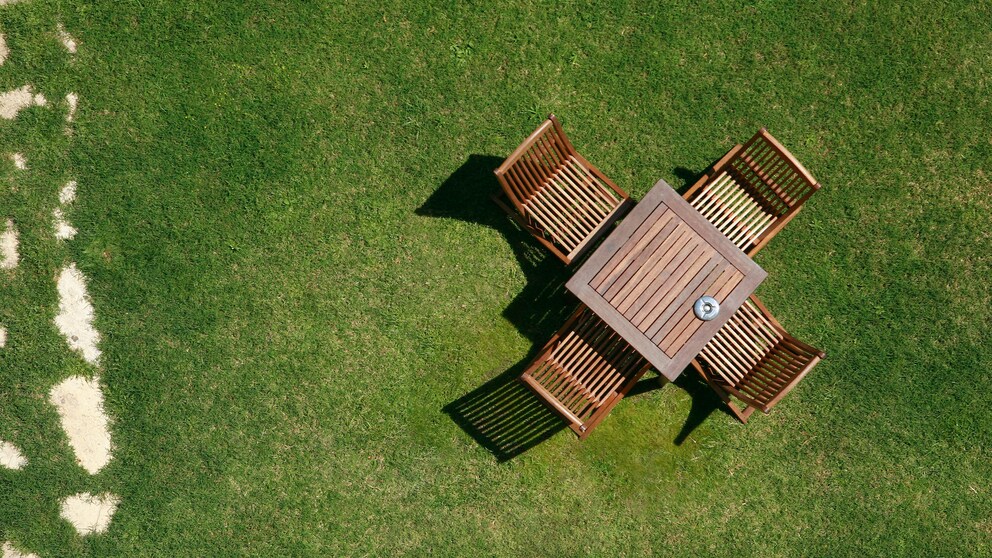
645	277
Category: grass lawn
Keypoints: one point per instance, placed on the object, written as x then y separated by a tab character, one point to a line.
312	312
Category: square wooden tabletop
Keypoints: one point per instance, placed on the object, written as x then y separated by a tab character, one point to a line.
645	277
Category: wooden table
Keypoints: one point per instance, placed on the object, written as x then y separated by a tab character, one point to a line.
645	277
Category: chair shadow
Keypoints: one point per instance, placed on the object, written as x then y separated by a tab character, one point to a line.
504	416
507	419
544	303
687	177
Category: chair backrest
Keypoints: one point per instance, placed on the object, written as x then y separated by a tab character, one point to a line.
771	174
755	358
536	160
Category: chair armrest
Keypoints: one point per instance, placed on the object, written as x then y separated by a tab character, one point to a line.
526	145
790	157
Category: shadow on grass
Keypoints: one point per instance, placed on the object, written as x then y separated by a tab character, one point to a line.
704	403
504	416
544	304
687	177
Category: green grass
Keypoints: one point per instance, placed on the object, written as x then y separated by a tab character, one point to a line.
303	286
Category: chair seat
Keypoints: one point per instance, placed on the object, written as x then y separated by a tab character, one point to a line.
753	191
752	358
726	204
571	206
584	371
557	195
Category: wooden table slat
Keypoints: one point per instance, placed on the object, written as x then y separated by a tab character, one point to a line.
620	261
645	263
671	339
659	283
678	297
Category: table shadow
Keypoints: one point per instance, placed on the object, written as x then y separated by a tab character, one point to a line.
704	403
687	177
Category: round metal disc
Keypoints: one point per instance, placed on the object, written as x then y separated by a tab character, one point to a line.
706	308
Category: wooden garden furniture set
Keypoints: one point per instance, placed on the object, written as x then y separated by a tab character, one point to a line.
671	284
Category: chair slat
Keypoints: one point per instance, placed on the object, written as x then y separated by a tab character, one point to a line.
753	192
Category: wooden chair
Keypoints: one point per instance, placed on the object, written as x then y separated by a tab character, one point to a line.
584	370
753	191
754	359
561	198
